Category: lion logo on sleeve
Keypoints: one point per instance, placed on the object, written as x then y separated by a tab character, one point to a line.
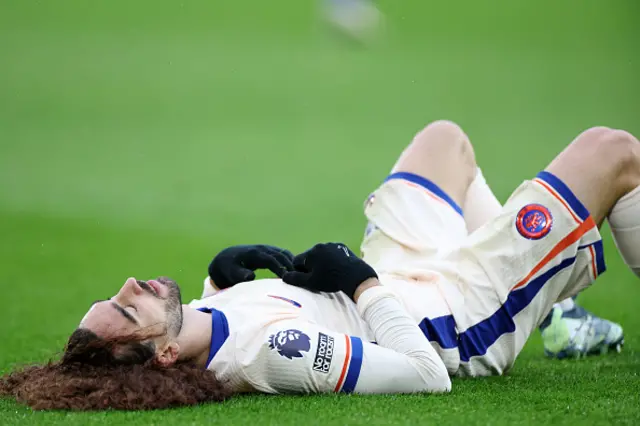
290	343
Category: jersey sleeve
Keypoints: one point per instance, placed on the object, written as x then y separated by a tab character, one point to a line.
294	356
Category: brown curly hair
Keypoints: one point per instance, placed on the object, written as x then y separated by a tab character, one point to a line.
98	374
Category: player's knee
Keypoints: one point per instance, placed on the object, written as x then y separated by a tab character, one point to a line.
447	138
625	139
621	146
626	149
442	131
616	145
594	133
617	149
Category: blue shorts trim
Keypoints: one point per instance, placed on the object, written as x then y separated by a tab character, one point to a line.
441	330
428	185
477	339
601	267
565	193
599	256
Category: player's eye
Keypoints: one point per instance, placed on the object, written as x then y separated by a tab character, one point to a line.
132	307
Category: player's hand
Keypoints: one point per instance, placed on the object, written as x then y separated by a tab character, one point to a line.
330	268
237	264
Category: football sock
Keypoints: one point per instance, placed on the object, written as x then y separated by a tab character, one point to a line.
566	305
480	204
624	221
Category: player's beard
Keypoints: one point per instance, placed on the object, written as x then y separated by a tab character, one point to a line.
173	306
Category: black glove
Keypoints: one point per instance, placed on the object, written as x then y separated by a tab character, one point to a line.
237	264
330	268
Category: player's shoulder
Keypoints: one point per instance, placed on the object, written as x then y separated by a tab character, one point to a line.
243	355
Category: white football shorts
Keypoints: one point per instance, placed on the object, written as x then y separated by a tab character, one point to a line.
500	281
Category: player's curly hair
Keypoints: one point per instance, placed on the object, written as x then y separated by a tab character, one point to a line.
98	374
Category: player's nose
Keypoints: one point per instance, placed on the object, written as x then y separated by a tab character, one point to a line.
131	287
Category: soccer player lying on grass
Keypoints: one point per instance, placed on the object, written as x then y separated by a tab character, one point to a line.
417	221
477	297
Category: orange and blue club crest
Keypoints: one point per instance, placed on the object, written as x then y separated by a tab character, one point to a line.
534	221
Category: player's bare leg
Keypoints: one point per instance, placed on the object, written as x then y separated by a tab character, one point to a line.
442	153
601	166
480	204
609	189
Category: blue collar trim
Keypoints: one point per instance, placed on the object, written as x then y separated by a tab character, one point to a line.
219	331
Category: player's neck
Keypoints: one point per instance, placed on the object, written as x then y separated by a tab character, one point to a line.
195	336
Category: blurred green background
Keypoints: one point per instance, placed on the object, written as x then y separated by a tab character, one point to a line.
137	138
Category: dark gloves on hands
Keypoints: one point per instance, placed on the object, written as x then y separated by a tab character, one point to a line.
237	264
330	268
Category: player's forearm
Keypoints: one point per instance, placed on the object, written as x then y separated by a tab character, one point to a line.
396	330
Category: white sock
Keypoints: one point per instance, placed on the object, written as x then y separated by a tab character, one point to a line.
566	305
624	221
480	204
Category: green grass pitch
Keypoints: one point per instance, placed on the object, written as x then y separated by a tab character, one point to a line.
140	137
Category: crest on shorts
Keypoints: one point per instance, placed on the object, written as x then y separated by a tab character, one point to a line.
534	221
290	343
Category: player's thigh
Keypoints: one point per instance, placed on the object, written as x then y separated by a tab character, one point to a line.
443	154
599	166
542	248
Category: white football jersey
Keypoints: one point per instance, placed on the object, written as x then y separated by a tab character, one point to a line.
271	337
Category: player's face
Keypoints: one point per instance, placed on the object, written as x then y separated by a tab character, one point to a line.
152	307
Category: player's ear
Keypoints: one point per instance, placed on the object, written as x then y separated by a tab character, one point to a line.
167	355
